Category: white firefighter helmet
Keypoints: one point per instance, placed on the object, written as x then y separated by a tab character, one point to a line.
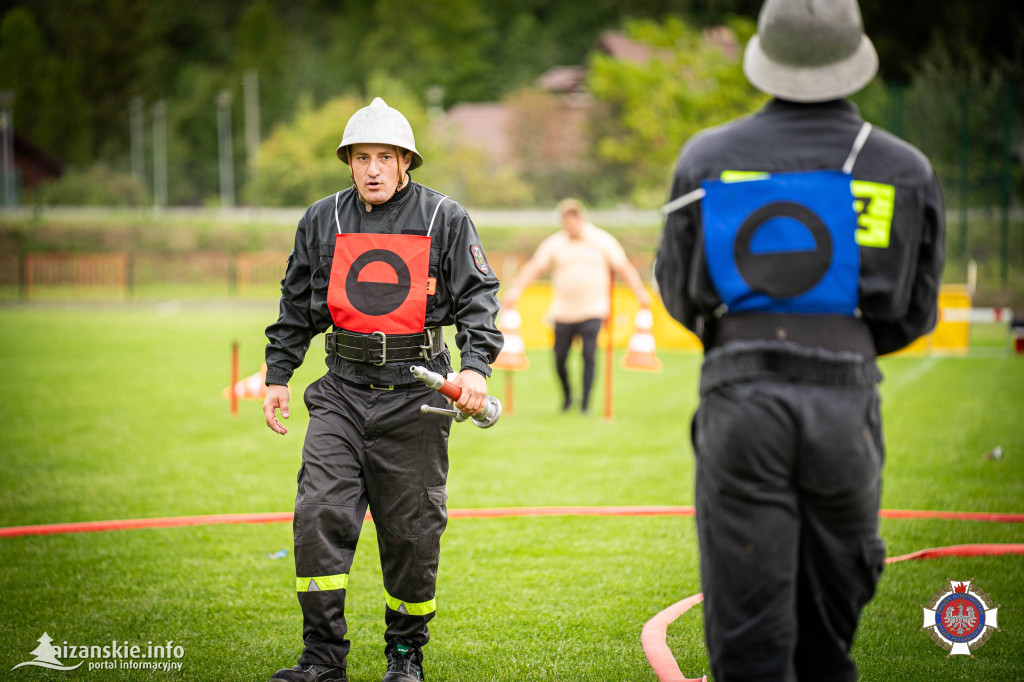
379	124
810	50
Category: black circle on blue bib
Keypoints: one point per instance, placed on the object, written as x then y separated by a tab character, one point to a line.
788	273
378	298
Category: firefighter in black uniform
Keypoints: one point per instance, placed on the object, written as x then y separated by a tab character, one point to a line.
387	262
799	244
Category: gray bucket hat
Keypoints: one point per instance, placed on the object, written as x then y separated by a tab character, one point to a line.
810	50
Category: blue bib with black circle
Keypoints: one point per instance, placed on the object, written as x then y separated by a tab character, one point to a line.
783	243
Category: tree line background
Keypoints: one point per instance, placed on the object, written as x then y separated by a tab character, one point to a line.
75	66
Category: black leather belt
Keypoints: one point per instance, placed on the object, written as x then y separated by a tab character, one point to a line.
379	348
383	387
832	332
765	360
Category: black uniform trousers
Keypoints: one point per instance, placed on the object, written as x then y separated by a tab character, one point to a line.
788	481
369	446
565	333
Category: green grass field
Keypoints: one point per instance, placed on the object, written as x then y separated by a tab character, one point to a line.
116	412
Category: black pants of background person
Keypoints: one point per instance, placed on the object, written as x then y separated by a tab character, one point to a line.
787	489
369	446
565	333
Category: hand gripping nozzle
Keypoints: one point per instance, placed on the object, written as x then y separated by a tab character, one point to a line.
486	418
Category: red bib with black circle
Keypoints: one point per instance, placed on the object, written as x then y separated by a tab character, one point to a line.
379	283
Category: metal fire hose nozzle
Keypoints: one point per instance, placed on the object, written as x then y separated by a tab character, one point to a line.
485	419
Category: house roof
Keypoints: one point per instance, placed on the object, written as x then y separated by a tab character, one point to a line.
486	125
25	150
617	45
563	79
481	125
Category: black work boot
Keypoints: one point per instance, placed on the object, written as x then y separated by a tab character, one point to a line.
405	664
310	673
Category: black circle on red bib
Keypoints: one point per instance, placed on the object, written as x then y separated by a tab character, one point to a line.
783	274
377	296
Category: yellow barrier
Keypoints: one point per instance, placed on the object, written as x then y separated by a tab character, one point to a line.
538	331
951	337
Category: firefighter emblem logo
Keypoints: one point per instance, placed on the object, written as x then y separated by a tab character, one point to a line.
960	617
479	260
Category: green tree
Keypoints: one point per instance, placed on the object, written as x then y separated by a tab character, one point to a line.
99	185
444	42
102	42
261	44
553	148
653	108
48	108
76	64
297	163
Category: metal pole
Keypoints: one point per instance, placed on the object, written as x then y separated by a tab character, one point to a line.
7	133
965	161
435	101
160	154
609	351
234	378
1004	256
509	393
226	148
896	109
138	141
251	84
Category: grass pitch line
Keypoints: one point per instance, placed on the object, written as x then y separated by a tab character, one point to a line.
472	513
653	635
913	374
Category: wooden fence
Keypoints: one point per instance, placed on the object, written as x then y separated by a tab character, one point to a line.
124	274
78	270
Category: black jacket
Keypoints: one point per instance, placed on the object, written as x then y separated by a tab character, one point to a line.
465	294
899	284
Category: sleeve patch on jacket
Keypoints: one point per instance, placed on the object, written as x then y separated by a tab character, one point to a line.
479	259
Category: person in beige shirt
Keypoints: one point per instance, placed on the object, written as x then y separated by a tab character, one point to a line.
582	259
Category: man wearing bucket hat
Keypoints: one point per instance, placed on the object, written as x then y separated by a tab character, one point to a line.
799	244
387	263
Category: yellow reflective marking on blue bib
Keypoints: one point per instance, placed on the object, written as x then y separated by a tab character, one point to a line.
874	203
742	176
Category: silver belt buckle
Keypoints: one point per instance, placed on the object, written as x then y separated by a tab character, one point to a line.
383	348
425	349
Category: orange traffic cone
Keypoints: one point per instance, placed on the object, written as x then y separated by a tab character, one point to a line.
640	352
253	387
513	353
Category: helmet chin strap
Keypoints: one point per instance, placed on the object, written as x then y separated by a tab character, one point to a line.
402	176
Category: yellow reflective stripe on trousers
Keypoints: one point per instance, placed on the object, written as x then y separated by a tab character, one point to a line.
412	608
322	582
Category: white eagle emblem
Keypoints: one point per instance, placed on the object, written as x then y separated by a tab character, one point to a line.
960	622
